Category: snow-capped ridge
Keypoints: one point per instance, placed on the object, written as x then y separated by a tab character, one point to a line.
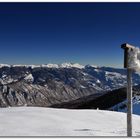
93	66
52	65
49	65
70	65
4	65
27	66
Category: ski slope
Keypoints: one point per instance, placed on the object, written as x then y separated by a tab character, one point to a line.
37	121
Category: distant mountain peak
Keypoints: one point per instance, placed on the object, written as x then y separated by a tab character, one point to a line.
69	65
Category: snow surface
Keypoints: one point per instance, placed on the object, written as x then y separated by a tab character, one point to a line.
98	81
82	86
122	106
27	66
71	65
52	65
4	65
136	106
29	77
37	121
94	66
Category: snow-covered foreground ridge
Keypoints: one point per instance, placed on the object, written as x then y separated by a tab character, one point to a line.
35	121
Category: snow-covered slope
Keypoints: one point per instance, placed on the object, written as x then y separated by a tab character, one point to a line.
122	107
29	78
35	121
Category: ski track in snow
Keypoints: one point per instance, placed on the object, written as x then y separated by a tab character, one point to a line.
37	121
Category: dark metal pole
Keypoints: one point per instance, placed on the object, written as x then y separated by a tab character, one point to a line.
129	102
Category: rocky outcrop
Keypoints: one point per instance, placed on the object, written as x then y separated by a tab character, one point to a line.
21	94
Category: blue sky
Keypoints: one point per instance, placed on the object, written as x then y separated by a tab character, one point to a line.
86	33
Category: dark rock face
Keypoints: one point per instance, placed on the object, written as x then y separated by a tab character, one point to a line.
21	93
103	101
43	86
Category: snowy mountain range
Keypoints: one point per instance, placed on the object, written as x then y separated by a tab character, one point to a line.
63	65
51	84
